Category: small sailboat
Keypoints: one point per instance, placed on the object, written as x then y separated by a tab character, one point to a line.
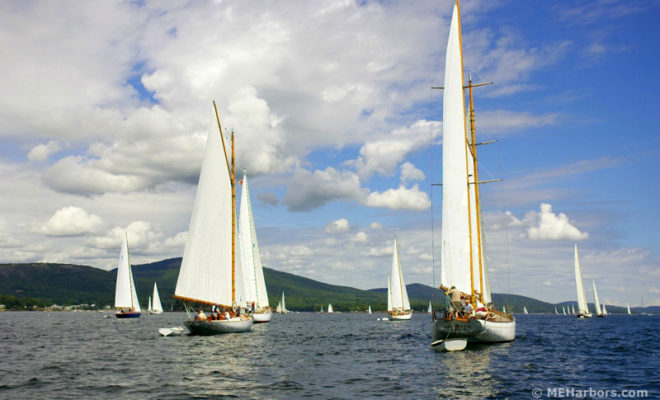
599	313
463	257
126	300
556	312
583	308
278	309
255	294
628	309
321	309
398	308
281	306
369	310
573	310
330	310
156	307
208	268
604	310
430	309
564	310
525	310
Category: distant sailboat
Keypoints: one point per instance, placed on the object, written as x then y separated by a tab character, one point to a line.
604	310
628	309
573	310
208	269
281	306
369	310
251	268
321	309
596	302
430	309
126	300
399	306
563	310
463	255
556	312
156	307
525	310
330	310
583	308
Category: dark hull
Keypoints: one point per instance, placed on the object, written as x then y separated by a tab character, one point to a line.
128	315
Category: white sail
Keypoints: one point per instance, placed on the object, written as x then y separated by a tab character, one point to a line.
399	293
573	310
157	307
149	304
284	304
369	311
430	309
205	273
556	312
525	310
628	308
330	310
596	302
581	299
255	285
389	293
125	294
564	310
604	310
278	309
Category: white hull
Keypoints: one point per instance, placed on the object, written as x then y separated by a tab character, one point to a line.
262	317
585	315
214	327
155	311
449	345
475	330
174	331
400	316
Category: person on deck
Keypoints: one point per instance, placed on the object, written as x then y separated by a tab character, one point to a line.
455	297
201	315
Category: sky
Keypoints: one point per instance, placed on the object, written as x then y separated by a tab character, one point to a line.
105	108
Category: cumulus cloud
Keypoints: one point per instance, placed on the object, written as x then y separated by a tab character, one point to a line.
376	226
359	237
42	151
410	173
71	221
141	235
382	156
178	240
337	226
378	251
399	199
550	226
309	190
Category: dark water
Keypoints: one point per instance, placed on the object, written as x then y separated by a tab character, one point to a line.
320	356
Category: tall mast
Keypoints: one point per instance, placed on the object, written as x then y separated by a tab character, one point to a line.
233	221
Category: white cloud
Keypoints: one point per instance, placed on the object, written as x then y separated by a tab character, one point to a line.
337	226
378	251
309	190
550	226
42	151
383	155
178	241
376	226
399	199
410	173
359	237
71	221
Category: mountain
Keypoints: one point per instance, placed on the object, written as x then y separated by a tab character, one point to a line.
43	284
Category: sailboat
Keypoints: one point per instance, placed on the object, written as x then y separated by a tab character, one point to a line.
330	310
430	309
369	310
398	307
525	310
573	310
156	307
281	306
126	300
463	255
253	274
208	269
628	309
604	310
599	313
321	309
583	308
564	310
556	312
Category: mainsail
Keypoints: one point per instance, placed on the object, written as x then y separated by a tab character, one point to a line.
125	294
399	293
581	299
206	268
596	302
251	267
156	306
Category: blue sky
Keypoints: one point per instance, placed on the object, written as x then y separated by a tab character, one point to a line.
105	110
